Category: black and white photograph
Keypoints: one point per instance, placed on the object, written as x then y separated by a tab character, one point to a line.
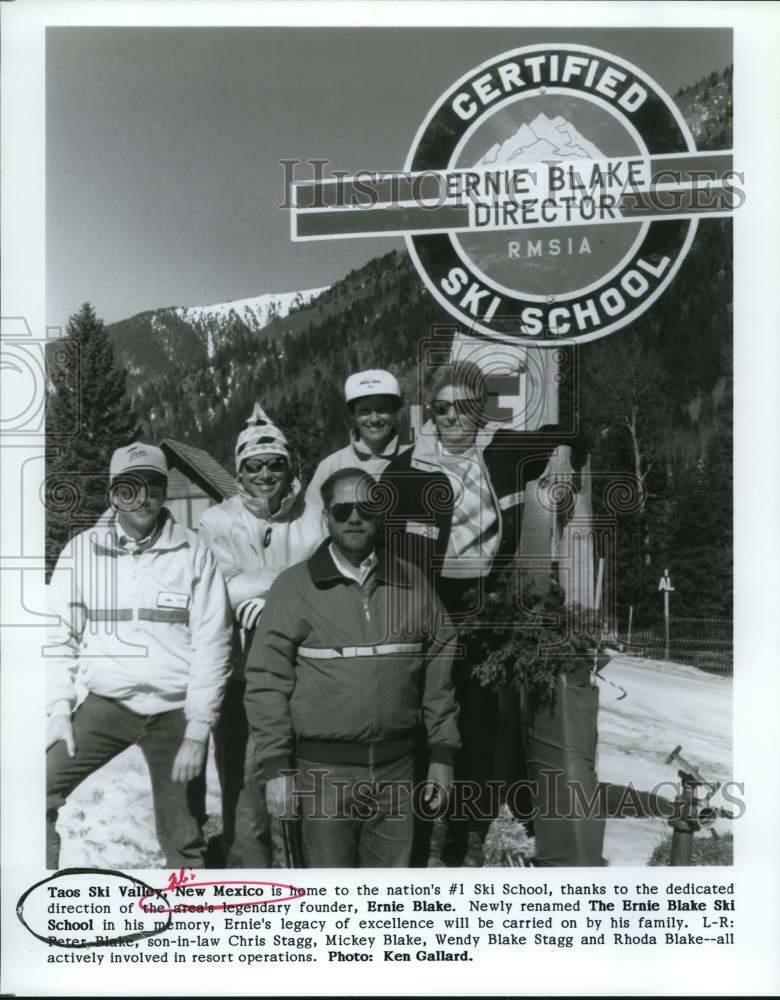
569	506
385	492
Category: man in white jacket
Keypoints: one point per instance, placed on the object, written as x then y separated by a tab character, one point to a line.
253	536
144	624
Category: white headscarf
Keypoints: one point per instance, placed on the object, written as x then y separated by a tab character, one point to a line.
260	437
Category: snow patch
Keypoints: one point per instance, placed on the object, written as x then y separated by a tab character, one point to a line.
260	309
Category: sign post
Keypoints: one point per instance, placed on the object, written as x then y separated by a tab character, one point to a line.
665	584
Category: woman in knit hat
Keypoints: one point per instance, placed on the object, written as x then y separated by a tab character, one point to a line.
254	535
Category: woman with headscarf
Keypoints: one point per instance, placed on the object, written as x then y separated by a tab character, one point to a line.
254	535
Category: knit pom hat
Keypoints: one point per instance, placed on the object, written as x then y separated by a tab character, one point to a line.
260	437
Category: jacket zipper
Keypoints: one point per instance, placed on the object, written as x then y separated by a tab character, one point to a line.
499	515
364	596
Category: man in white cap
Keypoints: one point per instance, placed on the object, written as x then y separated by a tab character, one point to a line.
144	621
254	535
374	402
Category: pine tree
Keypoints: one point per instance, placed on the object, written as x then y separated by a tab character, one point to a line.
628	410
701	536
88	416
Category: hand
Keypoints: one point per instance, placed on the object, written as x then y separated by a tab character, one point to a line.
189	760
279	797
439	783
248	612
59	727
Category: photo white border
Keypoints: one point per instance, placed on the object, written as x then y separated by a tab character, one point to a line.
752	965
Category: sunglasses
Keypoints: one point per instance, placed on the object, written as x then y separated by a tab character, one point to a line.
462	407
277	465
341	512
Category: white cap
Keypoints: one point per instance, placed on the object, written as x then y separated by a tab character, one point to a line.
137	457
371	383
260	437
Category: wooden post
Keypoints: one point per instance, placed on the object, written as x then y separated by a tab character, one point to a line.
665	584
630	623
666	624
599	585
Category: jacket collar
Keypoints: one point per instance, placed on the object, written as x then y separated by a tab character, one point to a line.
169	534
424	454
429	454
325	574
287	508
364	453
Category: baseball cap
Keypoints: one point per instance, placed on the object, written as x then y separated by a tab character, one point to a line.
137	457
373	382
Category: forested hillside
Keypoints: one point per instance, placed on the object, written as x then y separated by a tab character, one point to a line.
654	400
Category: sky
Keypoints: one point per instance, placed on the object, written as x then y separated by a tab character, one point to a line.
163	181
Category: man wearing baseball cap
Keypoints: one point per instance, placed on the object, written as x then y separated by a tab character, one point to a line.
373	400
254	535
144	623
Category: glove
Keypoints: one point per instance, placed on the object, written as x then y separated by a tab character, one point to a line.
248	612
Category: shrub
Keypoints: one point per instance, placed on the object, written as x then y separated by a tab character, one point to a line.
525	637
706	851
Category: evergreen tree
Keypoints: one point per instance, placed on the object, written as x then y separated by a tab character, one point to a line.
628	414
701	535
88	416
655	477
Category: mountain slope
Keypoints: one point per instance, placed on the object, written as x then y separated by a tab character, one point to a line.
162	343
194	373
165	341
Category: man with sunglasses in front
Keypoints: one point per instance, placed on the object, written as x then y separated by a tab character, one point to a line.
352	650
254	535
455	510
144	626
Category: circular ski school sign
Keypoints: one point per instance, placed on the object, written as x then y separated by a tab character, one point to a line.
549	196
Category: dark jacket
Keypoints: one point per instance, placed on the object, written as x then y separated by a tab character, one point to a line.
418	497
341	672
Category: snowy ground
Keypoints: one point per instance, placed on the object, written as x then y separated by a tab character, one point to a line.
667	704
108	821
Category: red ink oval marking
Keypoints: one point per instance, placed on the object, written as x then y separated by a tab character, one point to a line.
208	907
